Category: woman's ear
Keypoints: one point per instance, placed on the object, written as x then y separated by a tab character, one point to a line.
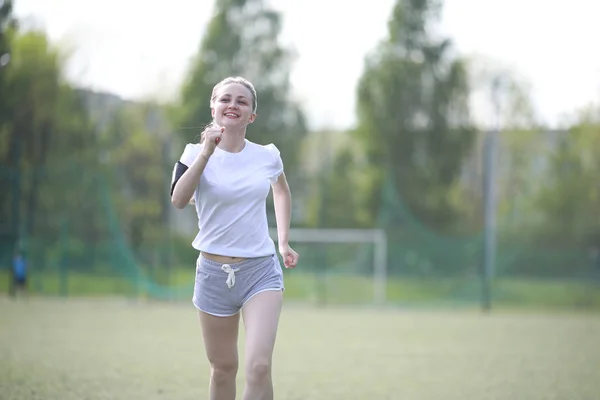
252	118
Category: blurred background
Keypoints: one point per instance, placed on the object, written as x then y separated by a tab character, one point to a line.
438	152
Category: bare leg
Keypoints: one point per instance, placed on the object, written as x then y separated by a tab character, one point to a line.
261	318
220	341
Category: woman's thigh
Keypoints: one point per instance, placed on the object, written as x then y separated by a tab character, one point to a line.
220	336
261	320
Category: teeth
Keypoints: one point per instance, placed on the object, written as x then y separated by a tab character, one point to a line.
230	115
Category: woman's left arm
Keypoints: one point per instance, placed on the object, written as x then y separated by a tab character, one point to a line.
282	199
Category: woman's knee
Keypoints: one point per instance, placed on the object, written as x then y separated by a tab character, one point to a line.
258	370
224	371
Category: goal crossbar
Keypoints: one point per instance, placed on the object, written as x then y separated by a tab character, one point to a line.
376	236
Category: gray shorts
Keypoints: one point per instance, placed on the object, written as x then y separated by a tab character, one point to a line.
222	289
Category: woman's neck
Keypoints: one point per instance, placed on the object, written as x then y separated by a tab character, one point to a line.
233	141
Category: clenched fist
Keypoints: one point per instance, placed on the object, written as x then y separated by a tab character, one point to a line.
212	137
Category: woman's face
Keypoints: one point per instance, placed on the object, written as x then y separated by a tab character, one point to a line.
232	106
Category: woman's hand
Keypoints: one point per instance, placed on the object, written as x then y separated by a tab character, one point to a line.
290	257
212	137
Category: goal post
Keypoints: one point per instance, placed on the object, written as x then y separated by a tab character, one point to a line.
377	237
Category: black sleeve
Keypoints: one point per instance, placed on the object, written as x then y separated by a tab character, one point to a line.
178	171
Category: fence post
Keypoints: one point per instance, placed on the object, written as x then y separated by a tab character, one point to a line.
63	268
490	152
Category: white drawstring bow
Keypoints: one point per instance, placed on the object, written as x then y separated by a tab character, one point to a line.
230	274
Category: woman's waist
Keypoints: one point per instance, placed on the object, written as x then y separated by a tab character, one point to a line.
222	259
209	262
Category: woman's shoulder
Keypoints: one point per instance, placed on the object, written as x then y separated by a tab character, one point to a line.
191	147
270	156
190	152
264	148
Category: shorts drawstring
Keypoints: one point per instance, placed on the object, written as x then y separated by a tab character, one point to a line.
230	274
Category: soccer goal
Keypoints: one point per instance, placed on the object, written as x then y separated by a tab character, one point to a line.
375	237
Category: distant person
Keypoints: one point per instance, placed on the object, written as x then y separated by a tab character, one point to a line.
18	279
228	179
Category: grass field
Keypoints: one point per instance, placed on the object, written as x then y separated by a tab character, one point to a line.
92	349
335	289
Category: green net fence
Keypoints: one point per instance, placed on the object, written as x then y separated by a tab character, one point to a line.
546	231
80	240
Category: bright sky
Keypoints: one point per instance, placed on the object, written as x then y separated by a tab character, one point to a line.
136	48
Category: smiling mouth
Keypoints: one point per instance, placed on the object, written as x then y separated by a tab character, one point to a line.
231	115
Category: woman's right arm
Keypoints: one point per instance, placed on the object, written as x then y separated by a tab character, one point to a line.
186	178
185	186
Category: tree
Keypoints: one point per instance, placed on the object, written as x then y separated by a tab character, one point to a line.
569	200
137	159
32	86
8	232
336	190
60	163
242	40
413	114
47	148
8	26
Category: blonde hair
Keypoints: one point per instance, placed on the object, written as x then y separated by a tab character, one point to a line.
232	79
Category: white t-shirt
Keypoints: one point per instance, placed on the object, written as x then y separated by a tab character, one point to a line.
230	199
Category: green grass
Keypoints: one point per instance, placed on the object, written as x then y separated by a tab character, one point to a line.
93	349
335	289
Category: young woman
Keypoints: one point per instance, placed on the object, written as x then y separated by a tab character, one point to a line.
228	178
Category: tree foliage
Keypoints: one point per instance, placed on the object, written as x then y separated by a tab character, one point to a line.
138	158
413	113
54	158
45	128
569	198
